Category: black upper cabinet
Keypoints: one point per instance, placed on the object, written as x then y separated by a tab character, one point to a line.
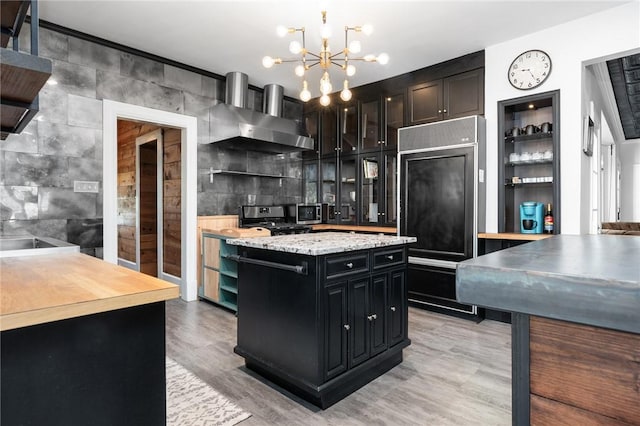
311	122
381	117
456	96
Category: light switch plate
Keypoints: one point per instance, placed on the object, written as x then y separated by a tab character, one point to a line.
85	186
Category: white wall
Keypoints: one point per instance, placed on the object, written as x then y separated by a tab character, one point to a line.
569	45
630	181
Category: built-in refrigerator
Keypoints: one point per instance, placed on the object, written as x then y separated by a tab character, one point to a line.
442	203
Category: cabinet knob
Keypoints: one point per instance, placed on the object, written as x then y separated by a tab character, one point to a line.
347	327
444	110
349	265
439	111
393	309
372	317
390	257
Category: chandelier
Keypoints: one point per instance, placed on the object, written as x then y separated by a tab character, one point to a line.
325	59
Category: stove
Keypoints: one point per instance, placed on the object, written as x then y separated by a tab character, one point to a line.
273	218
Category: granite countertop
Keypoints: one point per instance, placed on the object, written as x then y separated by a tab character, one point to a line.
315	244
587	279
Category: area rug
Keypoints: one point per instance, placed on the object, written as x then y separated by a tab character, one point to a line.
192	402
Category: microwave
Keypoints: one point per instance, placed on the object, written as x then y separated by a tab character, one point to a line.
305	214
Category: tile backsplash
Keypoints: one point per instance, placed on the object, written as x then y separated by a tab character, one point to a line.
63	143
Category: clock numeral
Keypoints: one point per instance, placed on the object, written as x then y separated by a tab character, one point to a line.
544	73
530	84
528	55
537	80
512	73
521	83
520	59
544	58
515	66
546	65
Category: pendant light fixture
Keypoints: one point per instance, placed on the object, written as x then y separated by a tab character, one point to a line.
325	59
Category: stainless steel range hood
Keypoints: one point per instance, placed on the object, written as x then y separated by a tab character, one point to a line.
232	125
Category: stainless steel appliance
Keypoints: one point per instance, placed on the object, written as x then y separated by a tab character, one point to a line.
442	203
233	125
273	218
305	214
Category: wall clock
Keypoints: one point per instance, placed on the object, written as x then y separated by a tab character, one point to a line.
529	69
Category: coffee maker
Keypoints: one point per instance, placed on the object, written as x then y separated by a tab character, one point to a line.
531	217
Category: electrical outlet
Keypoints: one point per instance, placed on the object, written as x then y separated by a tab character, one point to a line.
85	186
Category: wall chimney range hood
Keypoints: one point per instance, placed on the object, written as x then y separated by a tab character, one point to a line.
233	125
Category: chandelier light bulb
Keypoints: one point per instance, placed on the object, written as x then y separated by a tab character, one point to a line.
299	70
295	47
383	59
367	29
355	46
268	61
351	70
282	31
345	95
325	100
325	31
305	95
325	84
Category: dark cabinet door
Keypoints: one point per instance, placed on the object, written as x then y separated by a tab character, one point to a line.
425	102
377	316
464	94
370	125
329	134
310	124
393	119
359	333
336	329
397	309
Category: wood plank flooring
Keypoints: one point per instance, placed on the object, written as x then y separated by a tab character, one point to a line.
455	372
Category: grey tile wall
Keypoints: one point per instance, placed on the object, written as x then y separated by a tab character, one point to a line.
64	142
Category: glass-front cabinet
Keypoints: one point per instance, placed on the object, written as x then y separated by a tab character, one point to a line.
381	119
355	176
378	190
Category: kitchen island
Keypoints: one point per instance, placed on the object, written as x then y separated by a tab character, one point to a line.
575	301
322	314
82	341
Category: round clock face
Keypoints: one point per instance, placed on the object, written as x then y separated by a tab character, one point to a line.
529	70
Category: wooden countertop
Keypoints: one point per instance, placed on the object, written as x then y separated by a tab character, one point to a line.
513	236
45	288
376	229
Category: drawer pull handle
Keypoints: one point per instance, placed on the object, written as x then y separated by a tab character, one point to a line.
347	327
390	257
349	265
393	309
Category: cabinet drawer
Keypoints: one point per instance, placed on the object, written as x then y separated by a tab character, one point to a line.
389	257
338	266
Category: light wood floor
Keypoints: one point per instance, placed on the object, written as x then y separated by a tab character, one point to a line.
455	372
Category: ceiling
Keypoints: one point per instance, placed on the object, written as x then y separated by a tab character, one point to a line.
625	79
222	36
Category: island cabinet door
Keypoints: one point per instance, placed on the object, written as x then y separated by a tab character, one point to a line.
397	307
359	319
336	329
377	315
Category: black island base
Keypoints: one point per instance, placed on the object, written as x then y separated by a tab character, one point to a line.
322	326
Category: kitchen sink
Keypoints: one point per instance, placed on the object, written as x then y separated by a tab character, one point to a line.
29	245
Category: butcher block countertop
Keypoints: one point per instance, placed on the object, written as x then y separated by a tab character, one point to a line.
46	288
355	228
316	244
513	236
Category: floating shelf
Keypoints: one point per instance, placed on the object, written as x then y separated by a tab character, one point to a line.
529	162
21	75
527	138
238	173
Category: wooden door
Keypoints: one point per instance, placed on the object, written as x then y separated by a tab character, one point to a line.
359	333
336	329
425	102
464	94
